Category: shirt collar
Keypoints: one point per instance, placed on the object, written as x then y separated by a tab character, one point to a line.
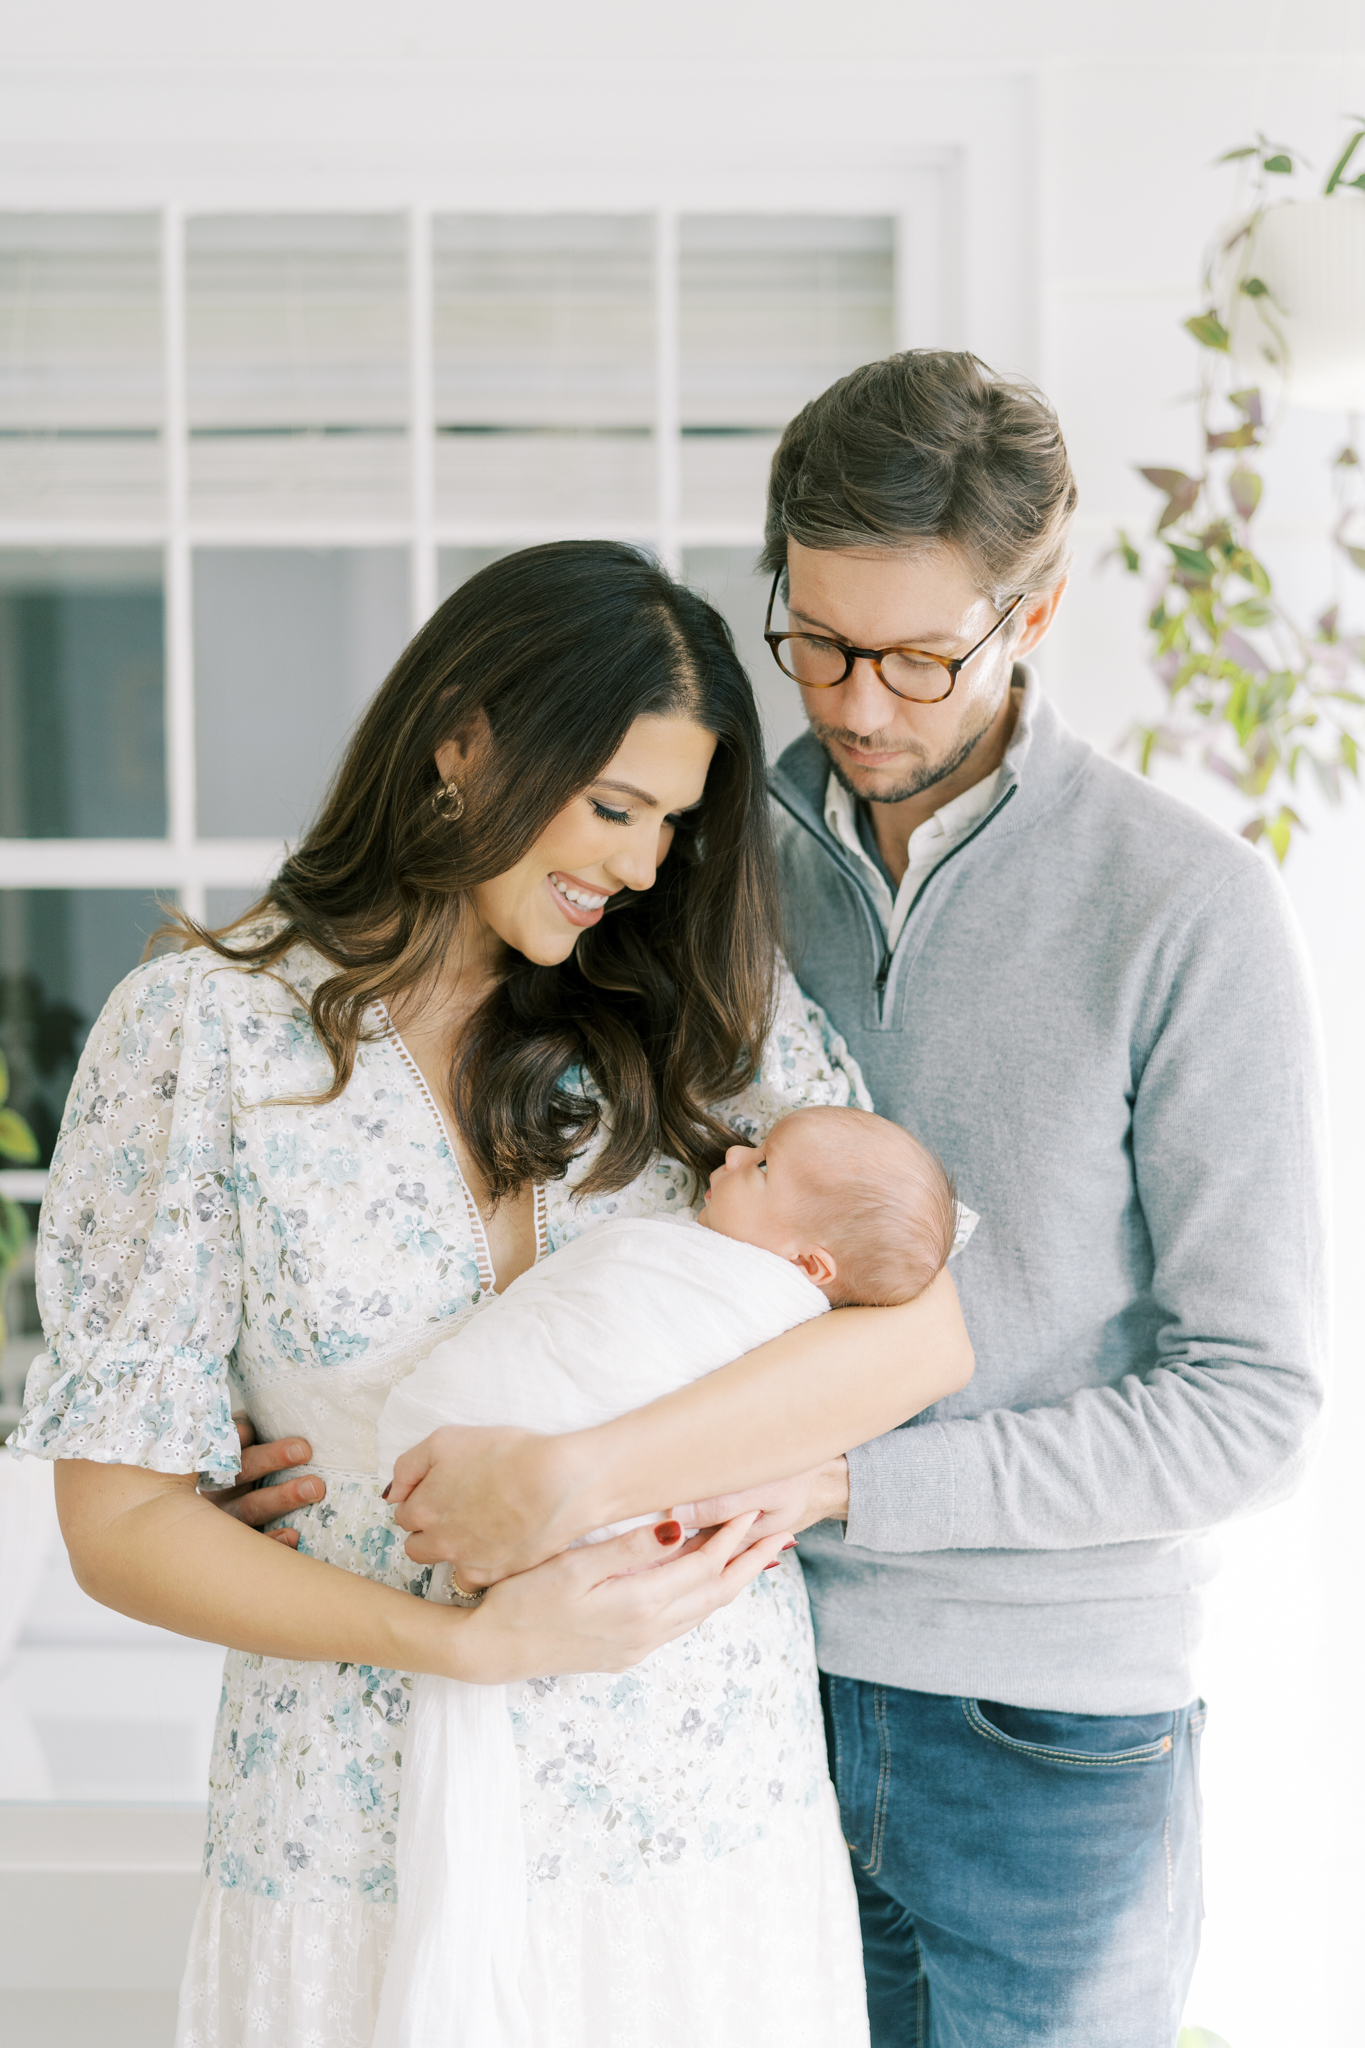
951	821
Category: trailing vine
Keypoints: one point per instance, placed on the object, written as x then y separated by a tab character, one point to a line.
1260	701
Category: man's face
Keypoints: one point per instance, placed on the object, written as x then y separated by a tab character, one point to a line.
881	747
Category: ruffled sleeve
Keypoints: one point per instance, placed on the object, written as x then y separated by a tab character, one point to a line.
139	1255
805	1064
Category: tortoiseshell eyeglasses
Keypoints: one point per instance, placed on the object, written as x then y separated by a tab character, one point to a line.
818	662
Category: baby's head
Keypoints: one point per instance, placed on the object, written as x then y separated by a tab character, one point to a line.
864	1210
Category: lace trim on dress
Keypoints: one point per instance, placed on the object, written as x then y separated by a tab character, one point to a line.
487	1277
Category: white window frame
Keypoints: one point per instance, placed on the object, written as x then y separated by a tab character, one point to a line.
927	312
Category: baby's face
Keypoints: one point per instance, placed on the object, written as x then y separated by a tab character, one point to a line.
757	1194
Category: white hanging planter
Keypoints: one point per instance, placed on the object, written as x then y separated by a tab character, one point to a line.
1309	325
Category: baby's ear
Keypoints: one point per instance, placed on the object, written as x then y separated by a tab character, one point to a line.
817	1265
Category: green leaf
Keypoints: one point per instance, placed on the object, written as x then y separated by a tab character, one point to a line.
1338	170
1254	287
1181	493
1245	565
16	1139
1252	611
1208	330
13	1238
1233	437
4	1077
1280	830
1232	156
1347	459
1192	562
1350	755
1249	402
1132	560
1280	164
1244	489
1357	555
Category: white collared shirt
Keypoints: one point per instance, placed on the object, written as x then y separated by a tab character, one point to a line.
928	844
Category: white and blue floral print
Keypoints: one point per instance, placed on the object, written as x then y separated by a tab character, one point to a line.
214	1240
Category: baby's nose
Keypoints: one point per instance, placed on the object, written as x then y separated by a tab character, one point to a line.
737	1154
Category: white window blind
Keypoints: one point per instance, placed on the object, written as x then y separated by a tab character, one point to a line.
80	371
296	370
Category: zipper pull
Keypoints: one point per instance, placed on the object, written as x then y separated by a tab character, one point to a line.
882	972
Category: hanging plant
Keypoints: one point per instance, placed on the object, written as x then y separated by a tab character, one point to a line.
1260	701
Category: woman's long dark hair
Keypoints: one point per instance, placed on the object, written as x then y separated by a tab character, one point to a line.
665	1004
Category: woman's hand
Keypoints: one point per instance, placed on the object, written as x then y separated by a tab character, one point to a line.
255	1505
607	1605
818	1496
489	1501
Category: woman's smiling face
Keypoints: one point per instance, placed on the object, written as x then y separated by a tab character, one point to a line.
611	837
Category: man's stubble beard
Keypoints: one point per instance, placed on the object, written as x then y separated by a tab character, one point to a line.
919	778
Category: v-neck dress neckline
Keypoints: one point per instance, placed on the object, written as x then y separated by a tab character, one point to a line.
484	1257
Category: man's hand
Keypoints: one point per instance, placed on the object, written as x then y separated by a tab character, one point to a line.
258	1505
787	1504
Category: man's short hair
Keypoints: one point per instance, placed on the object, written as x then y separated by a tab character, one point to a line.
928	448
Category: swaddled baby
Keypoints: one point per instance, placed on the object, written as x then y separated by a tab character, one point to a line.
836	1206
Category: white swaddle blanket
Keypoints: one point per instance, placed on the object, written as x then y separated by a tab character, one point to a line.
620	1316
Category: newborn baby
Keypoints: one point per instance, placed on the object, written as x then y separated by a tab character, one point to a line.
836	1206
854	1201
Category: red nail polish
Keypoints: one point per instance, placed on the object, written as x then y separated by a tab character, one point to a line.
667	1532
387	1491
789	1546
771	1567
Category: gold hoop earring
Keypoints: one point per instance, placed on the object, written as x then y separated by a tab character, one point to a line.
448	802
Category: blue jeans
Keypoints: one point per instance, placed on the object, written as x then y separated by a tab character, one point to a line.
1022	1876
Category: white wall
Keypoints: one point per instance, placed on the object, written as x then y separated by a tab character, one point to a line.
1081	139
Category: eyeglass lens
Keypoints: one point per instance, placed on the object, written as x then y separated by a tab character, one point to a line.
819	664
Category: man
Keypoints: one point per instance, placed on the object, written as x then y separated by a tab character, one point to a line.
1092	1004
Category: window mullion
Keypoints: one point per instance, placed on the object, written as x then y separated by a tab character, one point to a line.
422	414
667	396
180	757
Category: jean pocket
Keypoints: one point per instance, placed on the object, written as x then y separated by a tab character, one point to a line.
1075	1741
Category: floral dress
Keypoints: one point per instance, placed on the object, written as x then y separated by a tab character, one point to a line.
211	1244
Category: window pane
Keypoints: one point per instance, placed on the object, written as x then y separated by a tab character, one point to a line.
773	308
225	906
290	644
544	344
80	367
61	952
728	578
82	705
455	566
297	338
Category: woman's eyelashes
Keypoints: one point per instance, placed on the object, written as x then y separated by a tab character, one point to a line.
613	817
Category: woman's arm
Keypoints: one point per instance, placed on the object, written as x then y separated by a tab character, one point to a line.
498	1500
147	1544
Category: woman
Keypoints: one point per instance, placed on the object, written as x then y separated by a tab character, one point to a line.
519	977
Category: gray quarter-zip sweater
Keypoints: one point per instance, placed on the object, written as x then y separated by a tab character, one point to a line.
1098	1013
